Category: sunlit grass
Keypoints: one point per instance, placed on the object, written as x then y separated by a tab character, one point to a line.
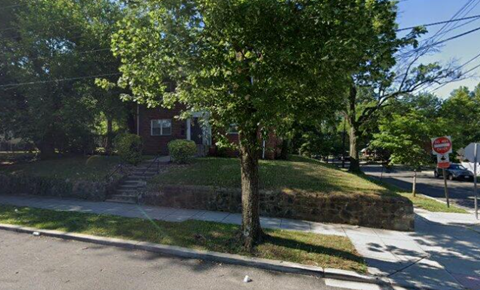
432	205
305	248
298	174
419	201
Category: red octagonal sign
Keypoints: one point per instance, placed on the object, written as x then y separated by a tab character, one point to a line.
442	145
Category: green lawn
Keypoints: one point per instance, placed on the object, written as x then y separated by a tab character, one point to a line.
299	174
419	201
91	168
8	157
306	248
432	205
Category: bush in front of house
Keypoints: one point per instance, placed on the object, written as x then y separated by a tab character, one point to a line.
129	148
182	151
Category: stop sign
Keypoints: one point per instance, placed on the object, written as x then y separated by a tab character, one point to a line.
442	145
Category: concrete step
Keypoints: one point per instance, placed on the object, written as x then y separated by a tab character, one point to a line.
127	192
123	199
130	186
133	182
142	176
150	171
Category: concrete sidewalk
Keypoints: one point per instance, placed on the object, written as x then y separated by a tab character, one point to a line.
438	255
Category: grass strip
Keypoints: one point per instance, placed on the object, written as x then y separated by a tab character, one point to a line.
305	248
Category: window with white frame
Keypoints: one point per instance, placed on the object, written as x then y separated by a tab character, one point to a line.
233	129
161	127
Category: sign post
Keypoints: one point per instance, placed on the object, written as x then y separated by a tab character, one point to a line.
446	188
471	153
442	146
475	191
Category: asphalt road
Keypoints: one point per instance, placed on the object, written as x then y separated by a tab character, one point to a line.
460	192
28	262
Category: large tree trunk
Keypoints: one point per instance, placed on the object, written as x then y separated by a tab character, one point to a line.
251	230
353	132
285	148
108	142
354	154
414	184
47	150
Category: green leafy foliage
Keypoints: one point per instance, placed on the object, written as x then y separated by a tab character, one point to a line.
54	51
461	112
182	151
254	63
321	138
129	147
406	133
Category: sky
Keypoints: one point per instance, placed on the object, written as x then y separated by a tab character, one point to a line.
461	50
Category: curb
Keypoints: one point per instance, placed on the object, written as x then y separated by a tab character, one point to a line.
266	264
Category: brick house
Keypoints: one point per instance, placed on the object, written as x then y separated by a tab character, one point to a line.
159	126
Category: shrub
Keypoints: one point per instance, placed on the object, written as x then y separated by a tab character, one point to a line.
182	151
129	148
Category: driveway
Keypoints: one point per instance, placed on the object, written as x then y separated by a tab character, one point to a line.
29	262
460	192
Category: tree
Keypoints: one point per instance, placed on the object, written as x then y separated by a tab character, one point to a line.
252	63
407	131
55	49
462	114
392	71
317	138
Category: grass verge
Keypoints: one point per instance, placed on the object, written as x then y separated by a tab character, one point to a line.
432	205
419	201
305	248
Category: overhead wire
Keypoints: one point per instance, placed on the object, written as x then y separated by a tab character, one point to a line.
57	80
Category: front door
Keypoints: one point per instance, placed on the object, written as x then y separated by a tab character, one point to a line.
197	132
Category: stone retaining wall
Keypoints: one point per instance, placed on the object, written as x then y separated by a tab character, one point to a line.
55	187
386	212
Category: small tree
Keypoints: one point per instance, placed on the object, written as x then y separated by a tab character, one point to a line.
129	148
406	134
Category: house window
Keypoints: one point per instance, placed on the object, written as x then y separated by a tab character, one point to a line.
161	127
233	129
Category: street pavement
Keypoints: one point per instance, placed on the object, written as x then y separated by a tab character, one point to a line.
460	192
442	253
33	263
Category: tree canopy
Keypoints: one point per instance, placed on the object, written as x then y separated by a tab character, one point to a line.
55	50
250	63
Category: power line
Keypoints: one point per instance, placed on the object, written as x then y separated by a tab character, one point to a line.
12	6
73	51
58	80
462	25
461	66
469	61
472	69
426	47
456	26
458	14
441	22
456	36
435	39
